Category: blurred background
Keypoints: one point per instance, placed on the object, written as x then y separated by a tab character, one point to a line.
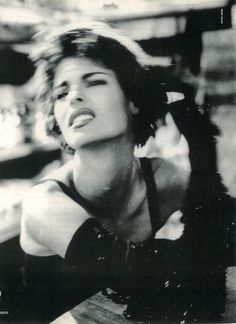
196	38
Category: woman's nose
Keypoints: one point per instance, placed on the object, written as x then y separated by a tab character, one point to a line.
76	96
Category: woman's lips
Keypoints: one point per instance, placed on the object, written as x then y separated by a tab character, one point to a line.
82	120
81	117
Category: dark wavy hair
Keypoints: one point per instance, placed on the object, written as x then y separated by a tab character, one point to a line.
125	57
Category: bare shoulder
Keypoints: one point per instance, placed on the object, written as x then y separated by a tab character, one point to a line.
40	198
50	217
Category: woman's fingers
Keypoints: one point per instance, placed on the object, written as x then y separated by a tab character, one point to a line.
173	228
174	96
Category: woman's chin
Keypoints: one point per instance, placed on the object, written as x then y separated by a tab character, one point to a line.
85	140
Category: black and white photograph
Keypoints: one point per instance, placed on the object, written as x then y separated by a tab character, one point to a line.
117	161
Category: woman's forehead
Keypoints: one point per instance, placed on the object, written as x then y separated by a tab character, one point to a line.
73	67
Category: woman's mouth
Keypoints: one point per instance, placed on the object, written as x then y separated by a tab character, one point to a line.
81	118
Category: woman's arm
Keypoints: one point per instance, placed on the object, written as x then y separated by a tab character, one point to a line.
206	190
53	224
195	124
53	285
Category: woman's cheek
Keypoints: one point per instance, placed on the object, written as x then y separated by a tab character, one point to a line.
60	114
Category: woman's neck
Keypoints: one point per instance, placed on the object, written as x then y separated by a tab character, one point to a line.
105	173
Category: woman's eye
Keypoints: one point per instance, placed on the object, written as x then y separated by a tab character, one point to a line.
96	82
59	95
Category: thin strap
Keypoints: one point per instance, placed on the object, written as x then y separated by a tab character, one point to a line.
152	195
72	193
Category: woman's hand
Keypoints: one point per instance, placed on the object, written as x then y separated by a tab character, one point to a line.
173	228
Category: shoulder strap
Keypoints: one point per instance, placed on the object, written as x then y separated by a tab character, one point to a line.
70	192
152	195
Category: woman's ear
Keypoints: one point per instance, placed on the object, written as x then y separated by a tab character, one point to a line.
134	110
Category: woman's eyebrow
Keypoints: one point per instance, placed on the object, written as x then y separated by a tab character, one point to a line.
87	75
84	77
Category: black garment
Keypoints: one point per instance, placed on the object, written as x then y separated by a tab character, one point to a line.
53	286
157	279
161	279
184	280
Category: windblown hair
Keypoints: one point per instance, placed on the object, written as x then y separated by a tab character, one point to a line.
101	43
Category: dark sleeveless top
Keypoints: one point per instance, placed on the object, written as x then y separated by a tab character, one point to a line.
188	281
170	281
52	286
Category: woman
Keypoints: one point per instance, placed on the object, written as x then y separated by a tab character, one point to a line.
102	220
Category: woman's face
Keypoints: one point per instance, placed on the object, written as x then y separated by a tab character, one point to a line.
89	104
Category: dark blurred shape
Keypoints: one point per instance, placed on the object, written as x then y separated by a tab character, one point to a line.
25	165
209	20
11	265
197	23
188	45
15	67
